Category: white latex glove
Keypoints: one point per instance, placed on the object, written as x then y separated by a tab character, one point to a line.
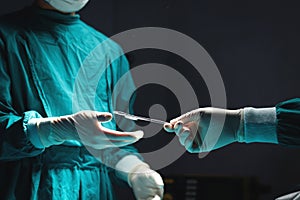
242	125
84	127
146	183
192	127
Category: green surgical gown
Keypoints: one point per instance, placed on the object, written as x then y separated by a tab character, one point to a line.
288	122
41	52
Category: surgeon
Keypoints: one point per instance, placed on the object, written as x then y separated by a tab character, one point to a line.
46	138
206	129
276	125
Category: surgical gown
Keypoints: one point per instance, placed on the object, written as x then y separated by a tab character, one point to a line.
288	122
41	52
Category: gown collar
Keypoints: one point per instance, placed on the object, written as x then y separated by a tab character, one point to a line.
55	16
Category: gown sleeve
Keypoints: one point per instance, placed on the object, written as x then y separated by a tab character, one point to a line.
288	122
14	139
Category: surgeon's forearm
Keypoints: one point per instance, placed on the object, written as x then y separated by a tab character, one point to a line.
15	141
259	125
126	165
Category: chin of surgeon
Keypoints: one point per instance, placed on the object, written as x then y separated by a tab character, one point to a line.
42	153
278	125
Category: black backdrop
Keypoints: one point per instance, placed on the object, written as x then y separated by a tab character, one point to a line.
255	45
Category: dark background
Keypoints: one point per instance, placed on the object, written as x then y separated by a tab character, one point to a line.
255	45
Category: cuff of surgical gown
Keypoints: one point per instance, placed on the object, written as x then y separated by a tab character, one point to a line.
127	165
260	125
31	129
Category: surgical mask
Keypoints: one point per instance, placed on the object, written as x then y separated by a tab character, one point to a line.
67	6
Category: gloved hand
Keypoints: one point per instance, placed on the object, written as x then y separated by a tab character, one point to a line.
146	183
192	127
84	126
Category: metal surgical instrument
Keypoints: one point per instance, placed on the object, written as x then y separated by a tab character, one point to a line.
136	118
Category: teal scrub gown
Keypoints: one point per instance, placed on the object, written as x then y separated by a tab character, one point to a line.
41	52
288	122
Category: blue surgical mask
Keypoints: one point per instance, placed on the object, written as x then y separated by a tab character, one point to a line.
67	6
